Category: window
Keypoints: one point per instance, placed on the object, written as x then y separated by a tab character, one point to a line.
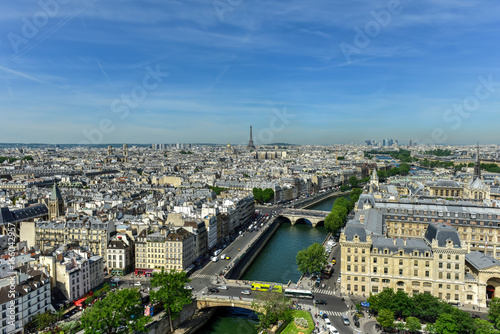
400	262
386	270
440	275
400	272
440	265
415	263
386	261
457	266
374	270
415	272
348	258
469	297
427	263
374	260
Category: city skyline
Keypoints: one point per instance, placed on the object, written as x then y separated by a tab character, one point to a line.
300	73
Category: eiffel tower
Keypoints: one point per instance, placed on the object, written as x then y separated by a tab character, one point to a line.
250	142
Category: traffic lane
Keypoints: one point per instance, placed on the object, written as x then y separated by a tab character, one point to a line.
233	250
214	268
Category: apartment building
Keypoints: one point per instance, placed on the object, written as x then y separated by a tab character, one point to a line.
169	248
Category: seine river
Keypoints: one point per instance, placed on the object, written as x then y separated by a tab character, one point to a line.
276	263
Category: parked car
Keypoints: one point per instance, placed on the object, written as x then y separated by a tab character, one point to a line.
245	292
213	290
188	287
223	287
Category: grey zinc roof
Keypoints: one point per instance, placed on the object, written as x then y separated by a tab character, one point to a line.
442	233
355	228
5	216
481	261
373	221
395	244
366	198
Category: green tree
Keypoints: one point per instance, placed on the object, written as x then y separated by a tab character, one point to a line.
353	181
404	168
427	307
116	309
484	327
267	195
171	293
382	300
257	195
382	174
271	307
445	324
386	318
413	324
43	320
403	306
313	259
344	187
494	311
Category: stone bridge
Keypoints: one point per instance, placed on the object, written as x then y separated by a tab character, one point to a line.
315	217
207	302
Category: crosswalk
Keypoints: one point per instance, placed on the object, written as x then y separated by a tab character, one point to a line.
323	291
203	276
333	313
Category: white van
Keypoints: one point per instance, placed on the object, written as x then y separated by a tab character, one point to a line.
215	259
223	257
217	252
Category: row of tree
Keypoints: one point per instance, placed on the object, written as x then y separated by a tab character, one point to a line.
10	159
263	196
341	208
424	307
217	190
402	169
401	155
124	307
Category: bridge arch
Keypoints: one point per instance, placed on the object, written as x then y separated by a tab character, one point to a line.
224	302
303	221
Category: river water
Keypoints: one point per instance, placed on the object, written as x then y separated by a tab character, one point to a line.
276	263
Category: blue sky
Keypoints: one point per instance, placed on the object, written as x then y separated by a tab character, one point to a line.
303	72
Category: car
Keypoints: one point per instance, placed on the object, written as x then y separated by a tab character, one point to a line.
223	287
474	316
332	330
213	290
345	319
334	261
137	283
223	257
120	328
320	302
328	322
188	287
228	258
339	280
245	292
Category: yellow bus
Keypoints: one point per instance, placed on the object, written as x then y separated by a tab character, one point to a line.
267	287
260	286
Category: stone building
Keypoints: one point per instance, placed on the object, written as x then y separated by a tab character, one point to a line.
169	248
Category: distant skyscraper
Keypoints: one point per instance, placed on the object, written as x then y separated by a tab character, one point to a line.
250	142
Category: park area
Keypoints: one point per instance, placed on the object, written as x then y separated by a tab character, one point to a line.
292	328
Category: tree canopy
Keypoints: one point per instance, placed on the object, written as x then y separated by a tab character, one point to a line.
494	311
116	309
271	307
171	293
386	318
313	259
263	196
